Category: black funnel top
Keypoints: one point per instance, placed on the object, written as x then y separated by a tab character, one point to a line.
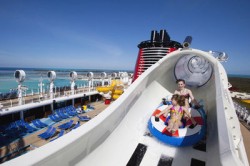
164	37
154	36
161	39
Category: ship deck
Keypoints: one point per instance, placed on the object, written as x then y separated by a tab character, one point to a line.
32	141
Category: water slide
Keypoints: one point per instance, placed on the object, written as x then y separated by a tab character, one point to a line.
115	136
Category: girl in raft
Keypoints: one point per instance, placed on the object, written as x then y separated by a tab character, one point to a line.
177	109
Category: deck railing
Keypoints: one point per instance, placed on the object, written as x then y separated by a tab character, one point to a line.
36	97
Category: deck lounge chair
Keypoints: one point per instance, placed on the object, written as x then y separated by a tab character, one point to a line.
22	123
70	112
55	118
61	114
49	134
29	128
41	123
76	125
67	125
46	132
11	126
83	118
36	124
59	135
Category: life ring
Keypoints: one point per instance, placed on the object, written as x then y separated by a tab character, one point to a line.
183	136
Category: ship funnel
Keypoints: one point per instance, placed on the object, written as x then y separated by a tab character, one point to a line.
164	37
73	75
51	75
154	36
187	42
19	76
195	70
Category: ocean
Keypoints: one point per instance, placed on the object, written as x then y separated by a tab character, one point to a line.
33	75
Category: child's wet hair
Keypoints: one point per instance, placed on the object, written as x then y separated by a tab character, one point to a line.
175	97
179	98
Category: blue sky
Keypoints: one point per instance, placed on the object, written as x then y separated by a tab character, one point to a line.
105	34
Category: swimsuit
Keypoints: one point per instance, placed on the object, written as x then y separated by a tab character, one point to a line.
186	96
174	113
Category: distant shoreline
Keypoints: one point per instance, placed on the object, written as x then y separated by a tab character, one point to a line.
238	76
242	84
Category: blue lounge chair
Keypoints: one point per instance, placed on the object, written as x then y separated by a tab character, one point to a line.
46	132
71	113
59	135
11	126
76	125
49	134
61	114
22	124
57	118
54	118
29	128
36	124
41	123
83	118
67	125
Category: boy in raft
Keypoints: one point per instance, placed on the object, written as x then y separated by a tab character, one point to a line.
177	109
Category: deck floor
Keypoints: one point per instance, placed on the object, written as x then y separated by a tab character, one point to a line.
34	141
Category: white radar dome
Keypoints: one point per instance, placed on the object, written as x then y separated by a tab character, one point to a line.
73	75
114	75
103	75
19	75
90	75
51	75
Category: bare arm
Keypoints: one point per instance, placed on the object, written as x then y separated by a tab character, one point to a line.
192	98
186	112
164	111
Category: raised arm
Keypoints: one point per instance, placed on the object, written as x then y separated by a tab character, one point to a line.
165	111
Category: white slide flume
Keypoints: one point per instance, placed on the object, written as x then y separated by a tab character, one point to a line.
117	135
